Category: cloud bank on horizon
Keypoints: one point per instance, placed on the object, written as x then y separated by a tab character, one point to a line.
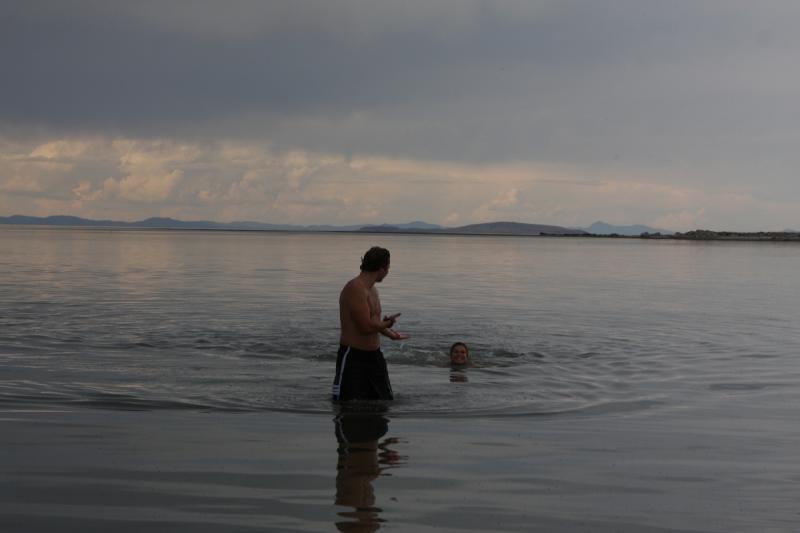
672	114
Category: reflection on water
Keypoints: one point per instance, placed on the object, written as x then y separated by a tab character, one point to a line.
220	321
458	375
363	456
656	380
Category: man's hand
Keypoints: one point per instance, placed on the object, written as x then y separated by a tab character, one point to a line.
395	335
391	319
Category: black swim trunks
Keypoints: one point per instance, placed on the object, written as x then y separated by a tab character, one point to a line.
361	375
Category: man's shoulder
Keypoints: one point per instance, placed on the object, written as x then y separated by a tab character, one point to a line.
355	285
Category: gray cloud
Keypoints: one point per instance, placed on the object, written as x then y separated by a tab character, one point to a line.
694	93
91	64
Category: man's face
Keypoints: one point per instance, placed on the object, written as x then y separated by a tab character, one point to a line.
382	273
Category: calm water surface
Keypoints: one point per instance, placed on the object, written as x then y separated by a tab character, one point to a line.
592	346
249	321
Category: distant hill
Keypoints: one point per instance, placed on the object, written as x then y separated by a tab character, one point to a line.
155	222
171	223
389	228
58	220
418	225
489	228
514	228
601	228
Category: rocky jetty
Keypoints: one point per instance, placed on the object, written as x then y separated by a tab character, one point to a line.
708	235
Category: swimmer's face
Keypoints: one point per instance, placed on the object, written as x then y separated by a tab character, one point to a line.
459	355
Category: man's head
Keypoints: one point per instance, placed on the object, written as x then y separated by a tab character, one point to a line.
376	260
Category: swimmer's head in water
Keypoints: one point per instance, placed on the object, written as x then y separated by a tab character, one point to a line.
459	353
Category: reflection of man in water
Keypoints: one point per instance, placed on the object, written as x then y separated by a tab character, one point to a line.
360	462
360	366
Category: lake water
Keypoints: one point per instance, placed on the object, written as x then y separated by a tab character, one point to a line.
181	380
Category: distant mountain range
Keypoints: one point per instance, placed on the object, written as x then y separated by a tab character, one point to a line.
601	228
170	223
489	228
519	228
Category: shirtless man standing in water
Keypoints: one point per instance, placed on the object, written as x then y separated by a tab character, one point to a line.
360	366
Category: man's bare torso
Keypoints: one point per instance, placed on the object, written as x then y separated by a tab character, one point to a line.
357	298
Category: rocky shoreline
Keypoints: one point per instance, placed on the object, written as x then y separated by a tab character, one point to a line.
708	235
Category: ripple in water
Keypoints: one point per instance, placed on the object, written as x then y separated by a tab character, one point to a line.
253	376
556	327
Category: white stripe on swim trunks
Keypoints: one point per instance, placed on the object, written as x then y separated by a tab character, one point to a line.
337	384
339	431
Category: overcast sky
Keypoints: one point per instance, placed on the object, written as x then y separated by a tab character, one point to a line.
675	114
